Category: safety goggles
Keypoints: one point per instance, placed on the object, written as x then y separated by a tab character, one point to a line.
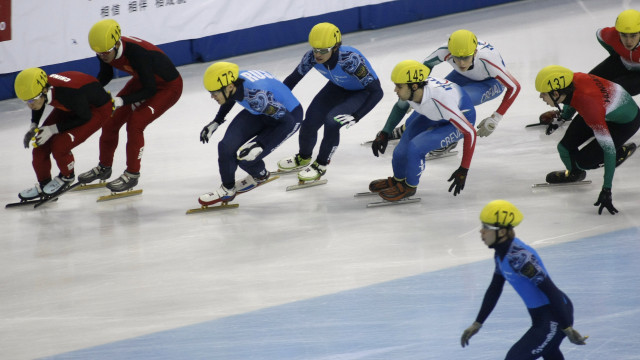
322	51
463	58
490	227
31	101
105	53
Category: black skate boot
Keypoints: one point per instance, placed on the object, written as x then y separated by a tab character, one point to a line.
396	134
125	182
625	152
382	184
566	176
97	173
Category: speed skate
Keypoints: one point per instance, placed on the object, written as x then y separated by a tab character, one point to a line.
241	185
119	195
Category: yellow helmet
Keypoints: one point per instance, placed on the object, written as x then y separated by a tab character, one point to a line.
104	35
324	35
462	43
409	72
501	213
553	77
628	22
30	83
219	75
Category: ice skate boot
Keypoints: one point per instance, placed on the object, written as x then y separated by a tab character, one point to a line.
58	184
566	176
292	163
444	151
312	172
31	193
222	195
396	134
97	173
401	190
382	184
250	183
125	182
625	152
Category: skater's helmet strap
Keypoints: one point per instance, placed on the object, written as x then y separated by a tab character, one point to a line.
628	21
501	213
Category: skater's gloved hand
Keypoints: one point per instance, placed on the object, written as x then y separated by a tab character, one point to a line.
486	126
116	103
249	151
469	332
207	131
459	177
574	336
380	143
29	135
553	120
605	200
45	133
346	120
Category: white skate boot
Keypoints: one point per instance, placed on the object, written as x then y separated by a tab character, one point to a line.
223	195
58	184
250	183
442	152
312	172
292	163
31	193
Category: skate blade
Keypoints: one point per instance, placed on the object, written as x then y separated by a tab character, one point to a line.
119	195
364	194
26	202
205	208
302	184
399	202
547	185
83	187
445	155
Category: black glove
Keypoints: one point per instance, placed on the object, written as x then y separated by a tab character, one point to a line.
605	201
29	135
380	143
459	177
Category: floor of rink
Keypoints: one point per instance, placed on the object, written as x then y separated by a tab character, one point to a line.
314	274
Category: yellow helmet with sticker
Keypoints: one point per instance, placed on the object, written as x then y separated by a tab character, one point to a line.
462	43
553	77
219	75
501	213
409	72
30	83
104	35
324	35
628	21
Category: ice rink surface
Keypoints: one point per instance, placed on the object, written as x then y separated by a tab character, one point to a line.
314	274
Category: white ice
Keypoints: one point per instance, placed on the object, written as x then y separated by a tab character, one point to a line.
314	274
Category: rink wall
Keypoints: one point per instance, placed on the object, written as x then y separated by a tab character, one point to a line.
187	23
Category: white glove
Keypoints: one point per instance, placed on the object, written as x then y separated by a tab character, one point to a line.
249	151
29	135
45	133
117	103
345	120
207	131
486	126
